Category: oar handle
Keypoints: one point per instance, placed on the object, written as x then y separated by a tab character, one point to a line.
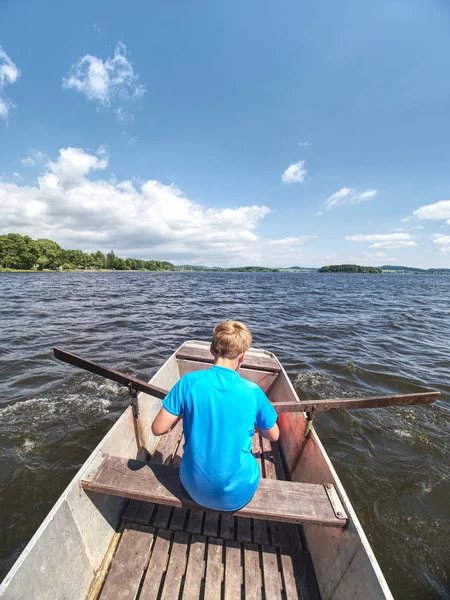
354	403
130	382
309	406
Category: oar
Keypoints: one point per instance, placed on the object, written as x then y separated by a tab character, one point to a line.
309	406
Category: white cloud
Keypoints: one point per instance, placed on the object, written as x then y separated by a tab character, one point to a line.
108	82
393	244
291	241
443	241
349	196
34	157
9	74
374	254
319	213
304	144
295	173
131	140
376	257
438	211
385	240
379	237
147	219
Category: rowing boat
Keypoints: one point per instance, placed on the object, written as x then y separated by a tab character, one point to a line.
124	529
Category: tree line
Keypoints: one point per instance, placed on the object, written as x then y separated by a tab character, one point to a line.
22	252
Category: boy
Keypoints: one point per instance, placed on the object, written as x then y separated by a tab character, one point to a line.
219	410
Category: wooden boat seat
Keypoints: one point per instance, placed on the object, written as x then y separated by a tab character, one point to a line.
274	500
253	360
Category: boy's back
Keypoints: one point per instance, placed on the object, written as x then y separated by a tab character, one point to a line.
219	410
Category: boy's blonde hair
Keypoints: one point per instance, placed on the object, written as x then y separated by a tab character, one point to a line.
230	339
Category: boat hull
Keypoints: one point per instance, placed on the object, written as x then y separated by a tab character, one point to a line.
64	557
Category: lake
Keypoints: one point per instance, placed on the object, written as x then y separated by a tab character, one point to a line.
337	335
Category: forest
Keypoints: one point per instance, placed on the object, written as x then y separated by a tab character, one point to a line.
22	252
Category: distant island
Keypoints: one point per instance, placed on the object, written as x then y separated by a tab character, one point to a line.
349	269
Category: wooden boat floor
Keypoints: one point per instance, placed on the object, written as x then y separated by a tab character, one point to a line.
177	553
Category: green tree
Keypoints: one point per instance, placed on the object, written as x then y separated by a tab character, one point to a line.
99	260
17	251
110	260
49	254
120	264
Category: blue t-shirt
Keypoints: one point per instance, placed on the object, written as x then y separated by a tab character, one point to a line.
219	410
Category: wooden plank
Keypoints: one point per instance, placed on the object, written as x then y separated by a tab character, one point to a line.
274	500
131	511
260	532
279	467
356	403
227	525
129	562
267	459
87	365
256	451
195	569
271	574
178	519
252	573
145	513
279	532
244	529
258	362
195	521
162	517
214	569
292	586
157	567
211	524
176	460
167	445
233	571
298	576
176	567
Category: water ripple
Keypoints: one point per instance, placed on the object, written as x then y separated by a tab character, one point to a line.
338	336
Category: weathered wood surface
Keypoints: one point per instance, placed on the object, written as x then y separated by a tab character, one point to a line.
256	361
252	573
356	403
195	569
274	500
236	565
87	365
233	571
157	567
130	562
214	568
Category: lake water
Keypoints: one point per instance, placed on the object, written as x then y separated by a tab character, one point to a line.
337	335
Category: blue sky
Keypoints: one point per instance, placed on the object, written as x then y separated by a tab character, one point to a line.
293	133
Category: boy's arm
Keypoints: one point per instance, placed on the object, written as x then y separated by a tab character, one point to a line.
164	422
271	434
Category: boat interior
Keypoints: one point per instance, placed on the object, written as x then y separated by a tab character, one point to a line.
129	532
